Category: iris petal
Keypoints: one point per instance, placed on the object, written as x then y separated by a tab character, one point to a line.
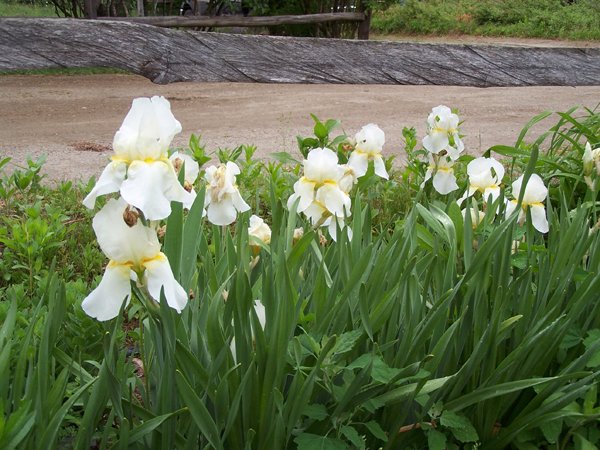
151	187
159	276
538	218
110	181
380	167
104	302
221	213
359	162
444	182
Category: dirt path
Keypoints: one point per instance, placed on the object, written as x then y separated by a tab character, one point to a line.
67	117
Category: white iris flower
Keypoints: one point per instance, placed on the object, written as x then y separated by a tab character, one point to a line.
533	199
443	133
140	169
485	176
134	253
322	193
223	199
442	170
369	144
259	230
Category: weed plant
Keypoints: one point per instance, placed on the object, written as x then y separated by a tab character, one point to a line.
532	18
419	331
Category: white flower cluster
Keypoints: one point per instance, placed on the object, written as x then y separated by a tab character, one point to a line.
322	193
444	146
146	178
144	175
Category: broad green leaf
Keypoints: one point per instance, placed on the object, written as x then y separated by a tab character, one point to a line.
376	430
461	427
346	342
436	440
582	443
309	441
552	430
315	411
352	435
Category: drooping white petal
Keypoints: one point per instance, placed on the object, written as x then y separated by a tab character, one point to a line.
151	187
333	226
104	302
239	202
427	177
455	150
493	192
159	276
380	167
304	189
221	213
336	201
261	313
120	242
315	212
359	162
110	181
511	205
444	181
538	218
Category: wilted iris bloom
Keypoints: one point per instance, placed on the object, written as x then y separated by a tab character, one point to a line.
223	199
533	199
189	165
443	133
442	170
319	192
476	216
140	169
369	144
259	230
134	253
591	158
485	176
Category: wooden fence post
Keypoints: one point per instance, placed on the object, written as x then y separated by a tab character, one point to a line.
89	9
364	26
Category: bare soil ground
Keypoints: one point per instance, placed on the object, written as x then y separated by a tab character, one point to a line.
72	119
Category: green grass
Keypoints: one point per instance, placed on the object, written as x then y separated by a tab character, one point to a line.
514	18
14	9
64	71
